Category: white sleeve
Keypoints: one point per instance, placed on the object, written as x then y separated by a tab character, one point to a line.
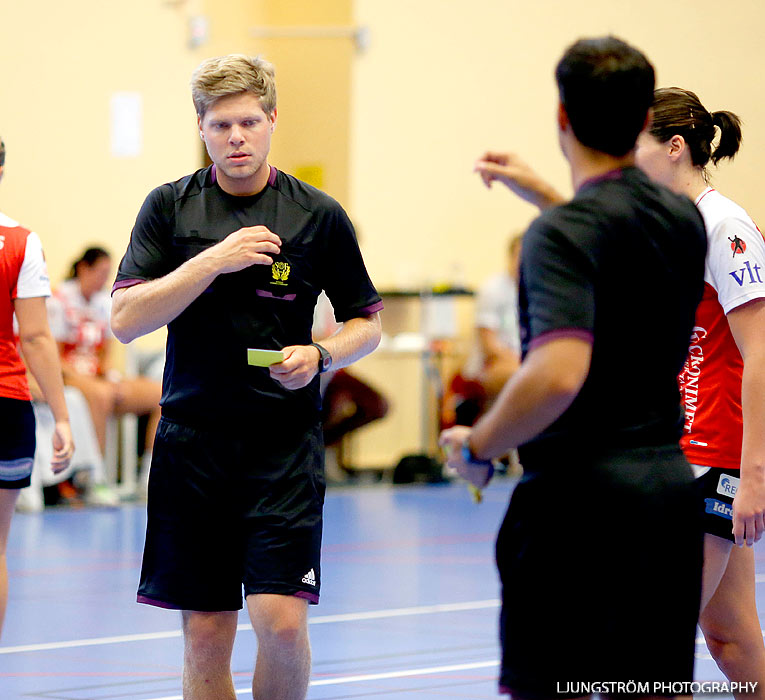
736	262
105	311
324	323
33	277
57	318
488	306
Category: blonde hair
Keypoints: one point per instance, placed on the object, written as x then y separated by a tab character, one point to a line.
230	75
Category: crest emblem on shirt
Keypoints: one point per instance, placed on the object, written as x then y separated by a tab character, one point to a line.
737	246
280	271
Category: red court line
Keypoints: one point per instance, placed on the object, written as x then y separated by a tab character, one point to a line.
92	674
63	570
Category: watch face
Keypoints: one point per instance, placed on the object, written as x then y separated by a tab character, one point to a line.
325	359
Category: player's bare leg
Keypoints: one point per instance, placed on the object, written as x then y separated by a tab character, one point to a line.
729	617
100	395
208	642
140	395
7	503
283	667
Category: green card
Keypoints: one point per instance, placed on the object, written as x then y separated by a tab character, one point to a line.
264	358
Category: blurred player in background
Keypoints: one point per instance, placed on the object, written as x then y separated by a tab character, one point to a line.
25	285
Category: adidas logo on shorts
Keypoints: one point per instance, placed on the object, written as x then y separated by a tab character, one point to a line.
310	578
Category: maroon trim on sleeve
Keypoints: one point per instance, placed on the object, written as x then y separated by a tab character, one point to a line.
373	309
122	284
561	333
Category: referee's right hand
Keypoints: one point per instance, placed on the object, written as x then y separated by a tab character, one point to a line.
247	246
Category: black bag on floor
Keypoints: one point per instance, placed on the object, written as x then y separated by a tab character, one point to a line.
418	469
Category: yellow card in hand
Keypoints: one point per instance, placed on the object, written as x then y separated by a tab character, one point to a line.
476	493
264	358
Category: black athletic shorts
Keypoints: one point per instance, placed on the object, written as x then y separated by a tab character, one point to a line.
718	487
17	444
600	566
229	509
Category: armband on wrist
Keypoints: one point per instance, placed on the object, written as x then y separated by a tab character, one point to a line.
469	458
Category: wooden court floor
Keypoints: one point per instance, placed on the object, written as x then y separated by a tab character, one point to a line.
409	603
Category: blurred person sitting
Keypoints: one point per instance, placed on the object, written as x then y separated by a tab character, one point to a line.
44	488
79	312
496	353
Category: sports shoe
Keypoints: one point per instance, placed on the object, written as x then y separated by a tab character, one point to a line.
101	495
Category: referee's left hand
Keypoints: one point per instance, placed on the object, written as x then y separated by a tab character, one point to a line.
451	441
299	367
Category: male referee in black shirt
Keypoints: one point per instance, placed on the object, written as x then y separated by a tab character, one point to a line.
601	548
233	257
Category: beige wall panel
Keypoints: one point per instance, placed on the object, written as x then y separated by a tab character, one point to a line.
306	12
313	82
62	63
442	81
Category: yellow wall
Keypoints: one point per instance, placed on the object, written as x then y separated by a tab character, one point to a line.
63	61
61	64
313	73
444	80
394	129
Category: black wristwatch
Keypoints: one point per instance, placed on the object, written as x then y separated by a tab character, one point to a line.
325	359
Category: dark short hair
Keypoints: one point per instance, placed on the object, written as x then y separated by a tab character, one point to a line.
2	153
606	87
680	112
90	257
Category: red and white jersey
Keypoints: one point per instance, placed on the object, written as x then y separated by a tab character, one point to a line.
81	325
710	382
23	275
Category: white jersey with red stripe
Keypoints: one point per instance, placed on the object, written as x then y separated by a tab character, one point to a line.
711	378
80	325
23	275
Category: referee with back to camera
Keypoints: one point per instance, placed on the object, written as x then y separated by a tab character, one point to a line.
233	257
600	551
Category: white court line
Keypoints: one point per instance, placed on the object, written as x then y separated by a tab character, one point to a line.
403	673
400	612
319	620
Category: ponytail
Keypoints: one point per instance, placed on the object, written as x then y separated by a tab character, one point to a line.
730	135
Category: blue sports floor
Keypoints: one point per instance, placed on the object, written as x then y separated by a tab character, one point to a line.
409	603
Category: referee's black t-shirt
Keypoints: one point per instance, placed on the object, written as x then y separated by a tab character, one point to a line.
622	264
207	379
